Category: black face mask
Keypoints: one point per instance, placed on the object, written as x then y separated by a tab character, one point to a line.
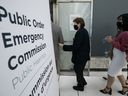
75	27
119	25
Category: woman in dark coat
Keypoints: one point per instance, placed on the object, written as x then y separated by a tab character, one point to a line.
80	52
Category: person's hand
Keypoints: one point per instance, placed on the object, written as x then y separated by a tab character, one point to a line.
61	45
109	39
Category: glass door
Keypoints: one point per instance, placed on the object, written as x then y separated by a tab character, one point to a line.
67	11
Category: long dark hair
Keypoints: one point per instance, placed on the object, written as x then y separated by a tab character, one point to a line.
125	21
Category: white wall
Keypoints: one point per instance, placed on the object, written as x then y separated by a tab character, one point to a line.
27	64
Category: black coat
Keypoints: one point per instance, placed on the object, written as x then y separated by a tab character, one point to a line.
80	48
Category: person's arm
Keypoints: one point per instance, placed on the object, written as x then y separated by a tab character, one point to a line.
121	42
66	47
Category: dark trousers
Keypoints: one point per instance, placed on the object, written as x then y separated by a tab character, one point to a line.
79	68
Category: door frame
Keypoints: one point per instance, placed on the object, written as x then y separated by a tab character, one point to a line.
56	18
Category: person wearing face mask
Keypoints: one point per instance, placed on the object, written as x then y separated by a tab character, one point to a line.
80	52
120	48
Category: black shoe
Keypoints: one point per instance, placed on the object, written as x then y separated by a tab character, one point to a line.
78	88
85	83
106	91
123	92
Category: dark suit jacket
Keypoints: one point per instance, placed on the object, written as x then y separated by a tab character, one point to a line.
80	48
